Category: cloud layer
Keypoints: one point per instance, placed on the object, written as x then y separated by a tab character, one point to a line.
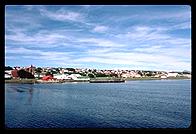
104	37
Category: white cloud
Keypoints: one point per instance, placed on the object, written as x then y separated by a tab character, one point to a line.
176	16
38	54
152	35
100	42
41	39
139	60
22	50
183	25
100	29
62	15
150	49
144	33
99	50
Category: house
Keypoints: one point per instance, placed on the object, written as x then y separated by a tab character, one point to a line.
163	77
48	77
78	77
157	76
7	76
38	75
187	75
126	75
61	76
14	73
8	72
171	74
74	76
137	75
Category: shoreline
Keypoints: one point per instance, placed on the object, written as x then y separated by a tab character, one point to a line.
33	81
151	78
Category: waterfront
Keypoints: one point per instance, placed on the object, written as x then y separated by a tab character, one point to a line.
133	104
97	80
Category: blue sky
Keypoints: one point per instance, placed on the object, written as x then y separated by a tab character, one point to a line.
99	36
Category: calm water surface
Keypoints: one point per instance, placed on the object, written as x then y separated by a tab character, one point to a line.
134	104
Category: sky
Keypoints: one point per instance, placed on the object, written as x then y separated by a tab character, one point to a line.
135	37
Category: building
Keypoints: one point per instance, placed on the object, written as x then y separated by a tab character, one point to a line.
170	74
48	77
7	76
137	76
38	75
14	73
187	75
31	69
163	77
61	76
126	75
157	76
8	72
74	76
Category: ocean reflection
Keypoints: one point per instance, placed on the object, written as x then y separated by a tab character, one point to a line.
26	89
30	92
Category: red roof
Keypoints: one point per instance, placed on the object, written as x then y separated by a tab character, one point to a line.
47	77
14	73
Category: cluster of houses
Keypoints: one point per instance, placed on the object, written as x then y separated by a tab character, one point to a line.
14	72
63	74
47	73
65	77
154	74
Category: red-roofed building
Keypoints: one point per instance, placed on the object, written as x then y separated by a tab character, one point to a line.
14	73
48	77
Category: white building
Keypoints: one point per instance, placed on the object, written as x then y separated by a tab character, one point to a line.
8	72
137	75
163	77
125	75
187	75
157	76
172	74
38	75
7	76
78	77
62	77
74	76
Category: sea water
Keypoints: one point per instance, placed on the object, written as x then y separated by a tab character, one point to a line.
133	104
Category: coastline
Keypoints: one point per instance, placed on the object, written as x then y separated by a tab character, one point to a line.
22	81
33	81
151	78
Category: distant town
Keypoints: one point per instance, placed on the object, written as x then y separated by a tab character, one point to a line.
85	74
